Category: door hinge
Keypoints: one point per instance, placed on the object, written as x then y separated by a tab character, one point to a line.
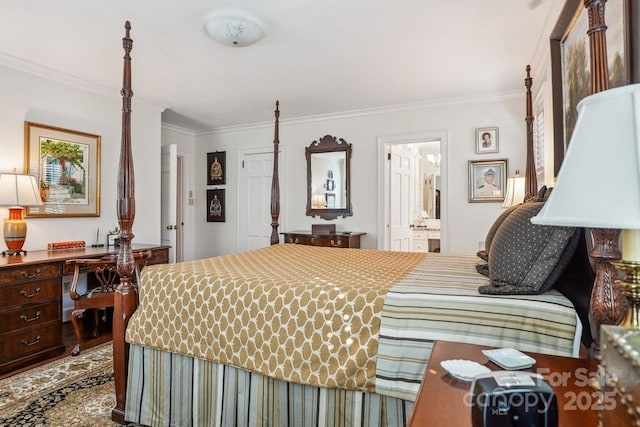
243	164
388	156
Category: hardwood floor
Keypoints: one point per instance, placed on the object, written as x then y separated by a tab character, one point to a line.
69	339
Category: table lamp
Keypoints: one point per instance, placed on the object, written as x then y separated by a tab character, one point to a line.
598	185
318	201
17	191
515	190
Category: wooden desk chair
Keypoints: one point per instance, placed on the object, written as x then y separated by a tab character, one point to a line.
101	296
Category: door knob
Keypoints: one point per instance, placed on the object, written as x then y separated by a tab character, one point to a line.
171	227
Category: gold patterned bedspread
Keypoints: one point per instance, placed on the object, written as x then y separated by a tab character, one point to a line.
297	313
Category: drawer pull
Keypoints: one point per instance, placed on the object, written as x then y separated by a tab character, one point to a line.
29	344
24	317
32	276
313	240
26	295
336	245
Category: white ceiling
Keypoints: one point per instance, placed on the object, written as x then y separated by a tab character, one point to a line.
317	57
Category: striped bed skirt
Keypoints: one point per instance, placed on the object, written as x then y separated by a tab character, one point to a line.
166	389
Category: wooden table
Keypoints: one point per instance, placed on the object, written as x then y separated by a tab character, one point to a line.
441	398
341	239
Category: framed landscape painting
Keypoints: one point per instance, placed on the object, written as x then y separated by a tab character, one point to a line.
571	62
66	163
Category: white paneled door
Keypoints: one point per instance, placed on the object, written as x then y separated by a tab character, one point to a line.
401	178
254	200
169	190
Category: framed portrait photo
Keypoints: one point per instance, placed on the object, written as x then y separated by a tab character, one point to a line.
487	140
216	168
487	180
215	205
66	164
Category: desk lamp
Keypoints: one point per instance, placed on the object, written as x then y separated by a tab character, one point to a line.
17	191
598	184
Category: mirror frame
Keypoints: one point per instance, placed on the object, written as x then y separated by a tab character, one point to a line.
328	144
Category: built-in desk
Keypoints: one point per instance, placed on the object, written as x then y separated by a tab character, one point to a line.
31	301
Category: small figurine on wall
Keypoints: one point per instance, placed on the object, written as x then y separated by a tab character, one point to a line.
216	167
215	205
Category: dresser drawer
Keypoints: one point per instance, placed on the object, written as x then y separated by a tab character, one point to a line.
338	242
158	256
422	234
433	234
33	272
30	292
419	246
33	340
301	240
29	316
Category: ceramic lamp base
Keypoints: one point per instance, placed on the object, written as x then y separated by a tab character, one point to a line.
15	231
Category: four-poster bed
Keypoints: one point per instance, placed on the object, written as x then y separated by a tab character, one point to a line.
268	336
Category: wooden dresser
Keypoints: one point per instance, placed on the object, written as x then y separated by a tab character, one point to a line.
343	239
31	302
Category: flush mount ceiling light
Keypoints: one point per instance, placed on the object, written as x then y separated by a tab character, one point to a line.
234	29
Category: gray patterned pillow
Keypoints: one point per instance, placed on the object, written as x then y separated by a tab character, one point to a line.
526	258
492	231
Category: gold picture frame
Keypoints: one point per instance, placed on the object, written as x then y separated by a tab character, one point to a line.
571	62
66	163
487	180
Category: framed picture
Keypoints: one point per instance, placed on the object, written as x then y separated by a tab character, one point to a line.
215	205
487	180
66	163
571	58
216	168
487	140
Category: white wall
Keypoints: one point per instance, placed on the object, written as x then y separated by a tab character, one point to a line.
26	97
468	222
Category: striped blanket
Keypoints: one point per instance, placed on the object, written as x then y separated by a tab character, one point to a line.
439	300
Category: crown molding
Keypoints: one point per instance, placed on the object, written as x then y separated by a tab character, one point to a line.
177	129
51	74
365	112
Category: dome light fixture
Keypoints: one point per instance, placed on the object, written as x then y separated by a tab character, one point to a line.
234	29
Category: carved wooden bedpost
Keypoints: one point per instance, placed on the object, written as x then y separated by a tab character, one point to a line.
275	184
608	305
126	294
530	177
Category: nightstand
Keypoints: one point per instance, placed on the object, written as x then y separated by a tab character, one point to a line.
441	398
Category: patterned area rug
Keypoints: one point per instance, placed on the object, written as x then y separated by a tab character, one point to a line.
72	391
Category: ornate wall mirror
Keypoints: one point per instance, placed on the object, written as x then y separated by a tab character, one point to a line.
329	178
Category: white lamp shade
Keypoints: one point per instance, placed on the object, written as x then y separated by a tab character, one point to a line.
19	190
318	201
515	191
599	181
